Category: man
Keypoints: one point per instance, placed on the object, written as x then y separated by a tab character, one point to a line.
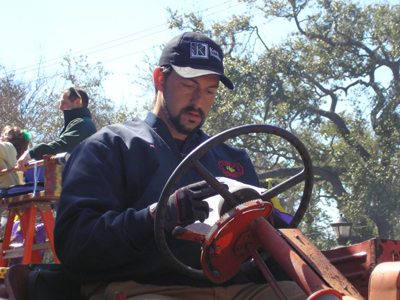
78	126
104	229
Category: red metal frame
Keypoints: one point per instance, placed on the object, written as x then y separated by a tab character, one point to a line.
26	208
357	262
27	212
286	257
244	229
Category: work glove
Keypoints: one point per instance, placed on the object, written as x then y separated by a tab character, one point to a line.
185	206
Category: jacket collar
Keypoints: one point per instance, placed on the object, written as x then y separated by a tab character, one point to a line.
70	114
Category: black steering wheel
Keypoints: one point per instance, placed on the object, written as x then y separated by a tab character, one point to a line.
192	161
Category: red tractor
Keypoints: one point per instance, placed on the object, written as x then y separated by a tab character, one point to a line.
364	271
244	237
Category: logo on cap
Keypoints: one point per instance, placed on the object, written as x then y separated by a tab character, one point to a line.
215	53
198	50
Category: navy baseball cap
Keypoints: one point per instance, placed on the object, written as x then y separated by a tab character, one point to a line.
193	54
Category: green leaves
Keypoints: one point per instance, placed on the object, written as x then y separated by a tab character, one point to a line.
321	83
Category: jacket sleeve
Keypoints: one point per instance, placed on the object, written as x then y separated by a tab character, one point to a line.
76	131
94	229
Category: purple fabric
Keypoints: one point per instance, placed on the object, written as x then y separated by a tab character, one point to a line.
29	174
17	238
284	216
14	233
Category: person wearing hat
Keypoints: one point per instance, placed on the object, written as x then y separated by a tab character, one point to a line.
104	231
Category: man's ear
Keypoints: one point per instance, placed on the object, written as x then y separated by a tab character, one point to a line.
78	102
158	79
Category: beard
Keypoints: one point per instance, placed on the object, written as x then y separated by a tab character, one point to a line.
176	121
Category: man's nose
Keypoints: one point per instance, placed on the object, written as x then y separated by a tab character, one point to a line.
198	97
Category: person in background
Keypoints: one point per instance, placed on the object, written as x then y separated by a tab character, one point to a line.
13	143
78	126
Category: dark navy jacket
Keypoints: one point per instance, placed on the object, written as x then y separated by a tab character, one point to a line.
103	227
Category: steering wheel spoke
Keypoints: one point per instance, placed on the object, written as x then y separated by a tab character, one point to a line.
215	184
283	186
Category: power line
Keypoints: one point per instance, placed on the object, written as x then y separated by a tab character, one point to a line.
113	41
129	54
74	53
80	51
147	48
119	57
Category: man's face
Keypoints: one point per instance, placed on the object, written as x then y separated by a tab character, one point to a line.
187	102
65	103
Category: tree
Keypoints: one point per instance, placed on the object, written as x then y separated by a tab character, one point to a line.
33	104
322	83
28	104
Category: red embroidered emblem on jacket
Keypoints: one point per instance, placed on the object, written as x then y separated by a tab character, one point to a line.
231	169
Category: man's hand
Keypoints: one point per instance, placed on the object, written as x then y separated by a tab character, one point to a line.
185	206
24	158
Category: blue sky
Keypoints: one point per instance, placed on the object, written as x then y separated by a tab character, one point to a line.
118	33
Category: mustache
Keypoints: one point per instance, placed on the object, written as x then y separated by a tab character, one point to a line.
191	108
